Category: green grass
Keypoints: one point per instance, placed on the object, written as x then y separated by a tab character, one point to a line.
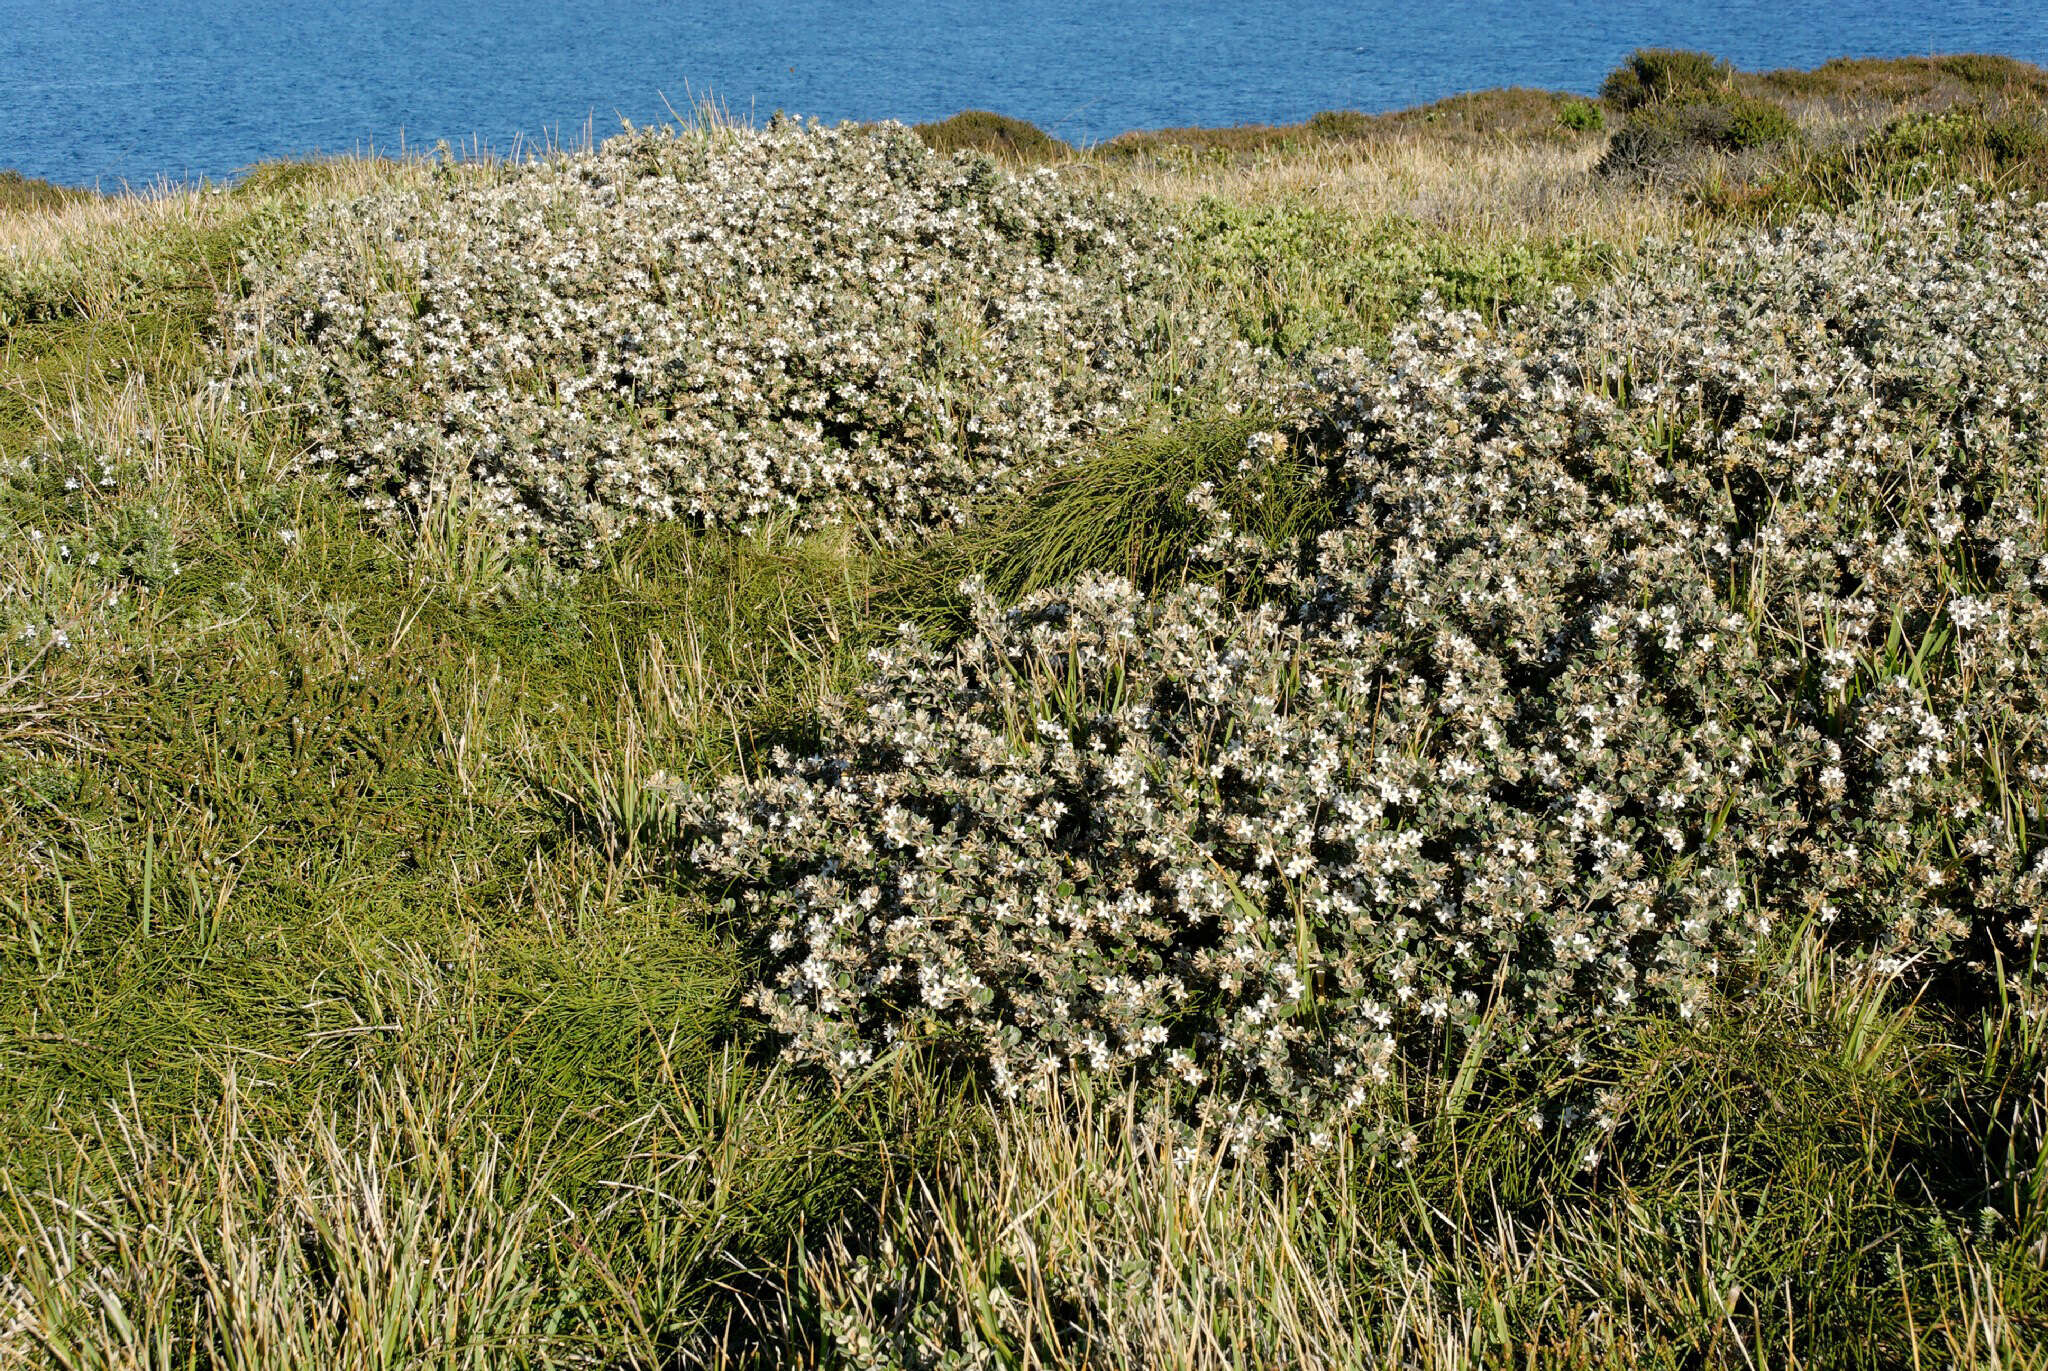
344	1001
1800	1181
2004	153
1294	277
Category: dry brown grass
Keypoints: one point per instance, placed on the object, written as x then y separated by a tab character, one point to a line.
1489	192
1515	112
47	228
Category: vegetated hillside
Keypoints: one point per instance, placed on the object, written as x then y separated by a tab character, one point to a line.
1418	740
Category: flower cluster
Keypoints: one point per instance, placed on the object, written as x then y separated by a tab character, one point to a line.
726	325
1712	605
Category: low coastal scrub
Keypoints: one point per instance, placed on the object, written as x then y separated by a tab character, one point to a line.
1638	640
2004	153
727	325
771	747
1516	112
1679	105
18	192
996	135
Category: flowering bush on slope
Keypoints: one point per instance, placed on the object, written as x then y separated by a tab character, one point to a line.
1711	603
726	325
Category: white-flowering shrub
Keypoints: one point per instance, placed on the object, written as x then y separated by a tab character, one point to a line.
1704	607
725	325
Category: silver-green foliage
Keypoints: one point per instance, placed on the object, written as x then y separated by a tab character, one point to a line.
1708	605
727	325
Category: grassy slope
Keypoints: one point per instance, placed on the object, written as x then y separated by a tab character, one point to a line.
320	874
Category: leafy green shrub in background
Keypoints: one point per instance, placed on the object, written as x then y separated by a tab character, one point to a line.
18	192
1653	75
1680	105
1663	138
1581	116
996	135
1995	142
2005	153
1746	124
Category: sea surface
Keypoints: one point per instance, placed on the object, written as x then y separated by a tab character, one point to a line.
105	92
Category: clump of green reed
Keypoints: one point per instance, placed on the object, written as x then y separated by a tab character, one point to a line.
424	1215
1124	509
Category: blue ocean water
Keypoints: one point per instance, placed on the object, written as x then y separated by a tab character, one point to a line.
111	91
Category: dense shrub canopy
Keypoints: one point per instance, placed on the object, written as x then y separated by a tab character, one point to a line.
1666	137
997	135
1705	606
1654	74
726	325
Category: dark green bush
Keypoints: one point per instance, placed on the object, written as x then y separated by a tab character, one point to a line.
1743	123
21	192
1660	138
1653	75
997	135
1337	124
1581	116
